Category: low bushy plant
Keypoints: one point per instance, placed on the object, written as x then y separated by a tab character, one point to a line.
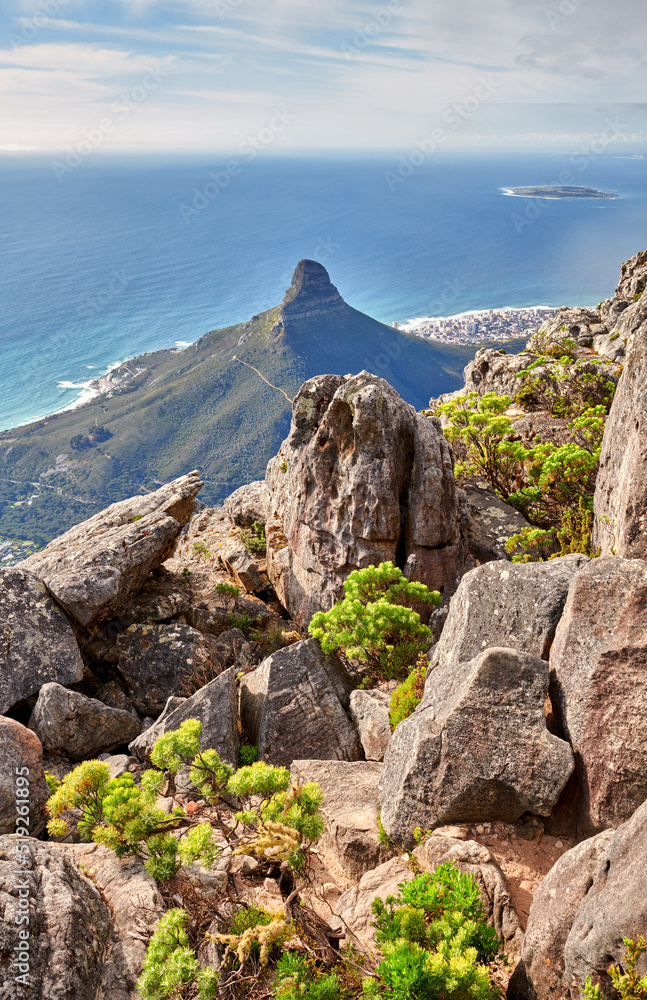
254	538
227	589
629	985
170	968
408	695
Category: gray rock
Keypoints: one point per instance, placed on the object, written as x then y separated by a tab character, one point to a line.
145	741
67	723
353	911
540	972
115	695
158	661
487	521
351	810
209	620
633	277
21	755
118	763
293	706
248	504
569	321
37	643
492	370
94	568
506	604
369	710
361	477
215	706
599	688
69	922
239	562
478	750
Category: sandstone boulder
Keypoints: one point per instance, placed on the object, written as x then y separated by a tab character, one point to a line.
369	710
69	724
362	478
599	688
158	661
476	749
96	566
487	521
239	562
37	643
293	706
69	922
20	749
353	911
248	504
351	810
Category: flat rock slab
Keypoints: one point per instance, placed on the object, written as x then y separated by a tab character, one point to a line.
37	643
351	810
69	724
479	750
293	707
598	667
21	754
95	567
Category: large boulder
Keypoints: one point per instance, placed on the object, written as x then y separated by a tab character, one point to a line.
37	643
158	661
21	755
248	504
592	899
487	521
215	705
351	810
69	922
69	724
598	667
362	478
620	526
369	710
476	749
293	706
96	566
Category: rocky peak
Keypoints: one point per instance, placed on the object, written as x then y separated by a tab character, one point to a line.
311	294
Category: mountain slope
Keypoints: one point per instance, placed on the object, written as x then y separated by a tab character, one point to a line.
163	413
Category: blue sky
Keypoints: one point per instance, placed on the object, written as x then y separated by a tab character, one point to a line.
291	75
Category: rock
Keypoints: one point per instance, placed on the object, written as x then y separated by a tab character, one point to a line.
487	520
136	906
215	706
162	597
69	922
238	561
478	750
506	604
248	504
599	688
209	620
620	504
118	763
362	478
145	741
570	322
37	643
540	972
21	755
311	294
475	859
351	810
96	566
158	661
353	911
369	710
633	277
293	706
492	370
67	723
115	695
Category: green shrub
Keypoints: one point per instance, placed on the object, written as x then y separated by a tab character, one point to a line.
228	589
247	755
627	983
297	979
170	966
372	624
408	695
200	549
254	539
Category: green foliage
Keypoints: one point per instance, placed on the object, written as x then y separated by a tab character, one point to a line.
242	621
572	535
637	295
372	623
200	549
170	966
254	539
52	782
297	979
228	589
408	695
283	467
628	984
563	385
248	755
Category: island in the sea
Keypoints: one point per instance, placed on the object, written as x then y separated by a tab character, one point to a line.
553	191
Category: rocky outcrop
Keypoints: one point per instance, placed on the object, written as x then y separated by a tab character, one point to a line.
487	521
362	478
351	810
310	294
215	705
599	688
69	724
583	326
248	504
27	614
69	922
95	567
293	706
369	710
158	661
21	755
476	749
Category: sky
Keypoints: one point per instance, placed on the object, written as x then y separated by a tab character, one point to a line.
291	76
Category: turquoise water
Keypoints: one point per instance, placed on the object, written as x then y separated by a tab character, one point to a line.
102	265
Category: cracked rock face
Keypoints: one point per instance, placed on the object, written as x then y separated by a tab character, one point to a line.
361	479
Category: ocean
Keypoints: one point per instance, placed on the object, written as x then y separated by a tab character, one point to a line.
117	257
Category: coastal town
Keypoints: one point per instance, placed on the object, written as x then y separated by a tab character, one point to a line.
476	327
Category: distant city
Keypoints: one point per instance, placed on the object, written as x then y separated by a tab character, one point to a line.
474	327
